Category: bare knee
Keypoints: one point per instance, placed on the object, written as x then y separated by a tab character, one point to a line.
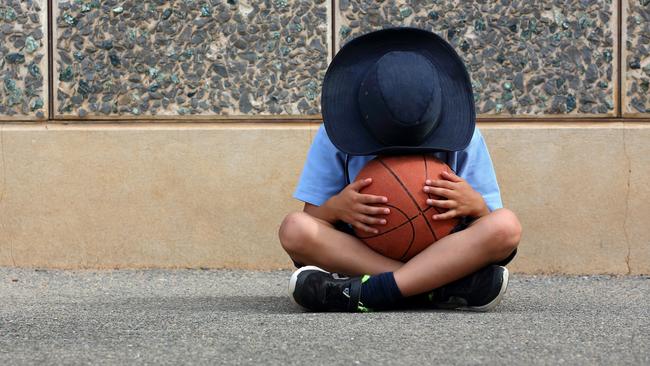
294	233
506	230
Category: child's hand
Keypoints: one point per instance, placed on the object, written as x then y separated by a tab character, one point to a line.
461	199
356	209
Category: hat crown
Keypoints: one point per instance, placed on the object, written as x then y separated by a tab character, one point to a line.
400	99
406	84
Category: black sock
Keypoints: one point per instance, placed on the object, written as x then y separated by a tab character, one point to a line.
380	291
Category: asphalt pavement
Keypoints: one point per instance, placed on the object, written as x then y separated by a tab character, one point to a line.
244	317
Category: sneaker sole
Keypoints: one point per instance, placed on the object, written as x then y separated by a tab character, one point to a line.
492	304
294	279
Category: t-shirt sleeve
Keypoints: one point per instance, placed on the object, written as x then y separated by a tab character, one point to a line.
475	166
322	176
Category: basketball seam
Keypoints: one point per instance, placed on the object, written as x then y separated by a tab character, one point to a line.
430	195
411	242
435	237
426	176
408	248
408	219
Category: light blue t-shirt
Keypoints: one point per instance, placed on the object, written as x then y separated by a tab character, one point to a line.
323	175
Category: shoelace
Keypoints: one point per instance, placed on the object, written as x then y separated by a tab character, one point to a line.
333	292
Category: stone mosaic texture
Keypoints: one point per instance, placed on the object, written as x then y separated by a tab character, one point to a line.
525	57
189	57
637	57
23	59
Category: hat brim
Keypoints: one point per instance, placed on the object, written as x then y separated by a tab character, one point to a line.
339	105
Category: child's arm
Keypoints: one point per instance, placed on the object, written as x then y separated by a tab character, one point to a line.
352	207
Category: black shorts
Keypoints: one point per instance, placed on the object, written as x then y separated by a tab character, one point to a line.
462	225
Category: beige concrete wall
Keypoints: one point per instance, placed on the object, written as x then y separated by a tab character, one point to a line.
213	195
581	193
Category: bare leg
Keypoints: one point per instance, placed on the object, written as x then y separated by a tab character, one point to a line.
312	241
487	240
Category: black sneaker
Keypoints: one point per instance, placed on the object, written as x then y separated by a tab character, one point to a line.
318	290
480	291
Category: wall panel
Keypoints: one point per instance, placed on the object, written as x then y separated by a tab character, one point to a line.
526	58
122	59
23	60
636	56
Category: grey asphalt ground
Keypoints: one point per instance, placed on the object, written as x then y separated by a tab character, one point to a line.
243	317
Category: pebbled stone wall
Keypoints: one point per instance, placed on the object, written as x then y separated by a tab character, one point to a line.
23	59
636	65
126	59
530	57
189	57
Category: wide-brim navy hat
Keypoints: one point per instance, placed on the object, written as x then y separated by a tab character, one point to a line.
398	90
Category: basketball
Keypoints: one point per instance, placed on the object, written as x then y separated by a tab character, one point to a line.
409	227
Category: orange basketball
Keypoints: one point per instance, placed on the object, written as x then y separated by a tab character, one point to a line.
409	227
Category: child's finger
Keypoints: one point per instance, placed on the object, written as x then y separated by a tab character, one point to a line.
363	227
451	176
442	184
442	203
447	215
358	184
374	210
369	198
443	192
371	220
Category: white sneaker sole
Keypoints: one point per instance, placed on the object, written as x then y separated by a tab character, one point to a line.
294	279
492	304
